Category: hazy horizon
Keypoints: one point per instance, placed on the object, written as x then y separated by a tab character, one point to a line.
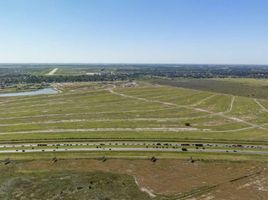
118	63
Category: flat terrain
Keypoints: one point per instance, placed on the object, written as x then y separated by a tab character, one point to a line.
247	87
145	111
53	71
177	142
133	179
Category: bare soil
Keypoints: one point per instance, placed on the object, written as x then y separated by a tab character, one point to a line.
228	180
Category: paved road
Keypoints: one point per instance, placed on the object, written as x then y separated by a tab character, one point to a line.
52	72
151	146
137	143
134	143
137	150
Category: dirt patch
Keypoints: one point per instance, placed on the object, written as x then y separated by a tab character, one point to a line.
166	177
252	187
69	185
146	190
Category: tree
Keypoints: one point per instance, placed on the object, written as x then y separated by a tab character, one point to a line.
187	124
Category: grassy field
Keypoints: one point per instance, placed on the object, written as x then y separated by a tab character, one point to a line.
68	185
115	111
118	113
248	87
131	179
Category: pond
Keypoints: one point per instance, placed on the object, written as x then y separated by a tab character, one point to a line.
30	93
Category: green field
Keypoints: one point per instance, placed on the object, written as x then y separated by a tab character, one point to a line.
140	111
248	87
130	124
68	185
143	112
115	111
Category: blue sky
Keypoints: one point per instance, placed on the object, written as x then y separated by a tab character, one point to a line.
134	31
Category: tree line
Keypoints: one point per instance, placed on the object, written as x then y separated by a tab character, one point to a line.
25	79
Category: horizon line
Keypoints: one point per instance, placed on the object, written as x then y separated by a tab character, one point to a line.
121	63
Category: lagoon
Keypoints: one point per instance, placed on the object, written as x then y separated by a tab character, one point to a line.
30	93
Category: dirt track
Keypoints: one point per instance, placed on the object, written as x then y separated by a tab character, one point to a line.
235	119
233	180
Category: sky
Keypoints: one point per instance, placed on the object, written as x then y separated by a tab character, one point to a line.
134	31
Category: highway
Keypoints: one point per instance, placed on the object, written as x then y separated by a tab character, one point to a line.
132	146
136	149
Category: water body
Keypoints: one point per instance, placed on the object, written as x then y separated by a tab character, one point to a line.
30	93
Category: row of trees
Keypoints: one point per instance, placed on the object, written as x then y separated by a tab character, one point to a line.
199	71
19	79
21	75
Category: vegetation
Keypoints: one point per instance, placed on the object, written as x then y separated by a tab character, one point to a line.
239	87
146	112
68	185
37	73
107	121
